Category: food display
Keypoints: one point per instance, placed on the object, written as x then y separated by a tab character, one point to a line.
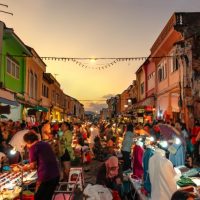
11	182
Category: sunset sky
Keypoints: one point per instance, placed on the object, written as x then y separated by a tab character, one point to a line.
92	28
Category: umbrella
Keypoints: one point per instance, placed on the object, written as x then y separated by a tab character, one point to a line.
168	132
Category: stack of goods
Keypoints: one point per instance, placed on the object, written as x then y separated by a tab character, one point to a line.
11	182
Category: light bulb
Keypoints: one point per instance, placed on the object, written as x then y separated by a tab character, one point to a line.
177	141
164	144
13	151
152	139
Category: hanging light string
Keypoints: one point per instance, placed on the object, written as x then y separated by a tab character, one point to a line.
114	60
79	60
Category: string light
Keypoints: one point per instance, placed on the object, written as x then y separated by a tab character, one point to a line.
77	60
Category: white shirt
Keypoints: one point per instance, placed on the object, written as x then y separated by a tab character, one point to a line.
17	140
162	177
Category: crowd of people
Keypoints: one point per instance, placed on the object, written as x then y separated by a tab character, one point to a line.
51	149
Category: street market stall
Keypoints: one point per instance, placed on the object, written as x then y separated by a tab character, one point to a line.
14	181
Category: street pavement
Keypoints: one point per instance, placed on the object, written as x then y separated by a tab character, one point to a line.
90	173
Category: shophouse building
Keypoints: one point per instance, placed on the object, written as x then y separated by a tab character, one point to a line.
13	71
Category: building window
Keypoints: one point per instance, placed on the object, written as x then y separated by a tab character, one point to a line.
65	103
68	104
12	68
9	66
162	72
53	96
142	88
150	76
57	98
17	72
31	84
45	91
35	85
174	64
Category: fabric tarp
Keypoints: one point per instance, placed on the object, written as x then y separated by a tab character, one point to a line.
8	102
40	108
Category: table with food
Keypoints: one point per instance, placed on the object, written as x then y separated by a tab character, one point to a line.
13	180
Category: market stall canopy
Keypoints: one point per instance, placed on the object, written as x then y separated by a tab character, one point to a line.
3	117
141	132
167	131
9	102
40	108
149	101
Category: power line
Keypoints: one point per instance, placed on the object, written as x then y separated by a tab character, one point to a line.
95	59
102	58
3	5
6	12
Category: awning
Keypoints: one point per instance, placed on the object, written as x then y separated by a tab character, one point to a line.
149	101
7	97
40	108
8	102
3	117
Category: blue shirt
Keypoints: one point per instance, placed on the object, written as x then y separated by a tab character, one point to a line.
128	141
147	155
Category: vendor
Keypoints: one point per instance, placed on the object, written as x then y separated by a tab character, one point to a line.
109	174
65	148
43	159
